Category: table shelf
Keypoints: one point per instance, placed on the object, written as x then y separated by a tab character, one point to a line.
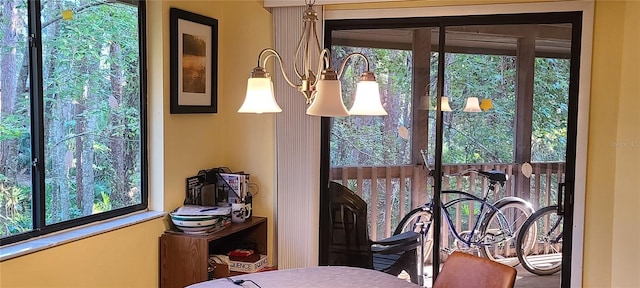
184	257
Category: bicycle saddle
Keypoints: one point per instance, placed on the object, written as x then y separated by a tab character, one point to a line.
494	175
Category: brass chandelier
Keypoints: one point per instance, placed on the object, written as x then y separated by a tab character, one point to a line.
322	89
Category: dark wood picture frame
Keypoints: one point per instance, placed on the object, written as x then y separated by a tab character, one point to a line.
194	62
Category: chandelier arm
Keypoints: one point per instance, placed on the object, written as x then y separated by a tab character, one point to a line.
325	54
295	58
353	54
306	60
315	34
268	53
324	58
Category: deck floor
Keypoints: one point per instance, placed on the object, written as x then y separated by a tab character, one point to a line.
524	279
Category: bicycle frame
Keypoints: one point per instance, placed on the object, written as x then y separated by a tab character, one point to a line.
485	209
469	197
553	228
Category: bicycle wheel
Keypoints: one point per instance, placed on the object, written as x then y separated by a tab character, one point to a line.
498	234
407	224
543	230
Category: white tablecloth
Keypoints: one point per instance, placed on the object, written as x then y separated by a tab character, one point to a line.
314	277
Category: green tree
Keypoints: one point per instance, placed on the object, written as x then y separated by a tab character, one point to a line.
91	93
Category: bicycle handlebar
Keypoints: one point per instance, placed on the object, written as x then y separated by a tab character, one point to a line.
493	176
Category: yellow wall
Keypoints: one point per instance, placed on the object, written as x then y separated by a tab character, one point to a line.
180	146
612	229
128	257
625	240
247	29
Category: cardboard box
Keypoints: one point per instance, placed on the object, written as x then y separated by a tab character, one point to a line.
248	267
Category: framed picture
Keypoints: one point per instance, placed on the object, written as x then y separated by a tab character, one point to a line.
194	63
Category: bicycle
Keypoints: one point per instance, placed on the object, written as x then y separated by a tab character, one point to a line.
539	242
495	226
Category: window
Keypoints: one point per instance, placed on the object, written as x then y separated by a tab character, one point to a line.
72	118
365	140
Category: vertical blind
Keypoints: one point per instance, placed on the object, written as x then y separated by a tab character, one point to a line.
298	152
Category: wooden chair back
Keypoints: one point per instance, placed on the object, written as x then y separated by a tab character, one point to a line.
462	270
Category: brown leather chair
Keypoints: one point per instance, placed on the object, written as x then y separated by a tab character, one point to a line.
462	270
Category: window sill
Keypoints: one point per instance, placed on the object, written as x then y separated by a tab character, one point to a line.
55	239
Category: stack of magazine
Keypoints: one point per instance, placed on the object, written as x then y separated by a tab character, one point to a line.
238	185
216	187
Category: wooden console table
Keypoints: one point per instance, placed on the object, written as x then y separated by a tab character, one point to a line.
184	257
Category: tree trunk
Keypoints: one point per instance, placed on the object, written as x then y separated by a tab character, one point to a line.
447	118
22	85
119	183
133	153
81	124
88	155
8	24
58	159
391	121
56	115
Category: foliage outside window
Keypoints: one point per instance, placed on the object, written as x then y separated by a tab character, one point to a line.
374	141
486	137
550	110
72	143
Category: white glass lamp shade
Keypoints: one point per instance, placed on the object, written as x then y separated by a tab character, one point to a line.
259	98
472	105
444	104
425	103
328	100
367	100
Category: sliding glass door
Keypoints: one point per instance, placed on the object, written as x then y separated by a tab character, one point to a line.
507	88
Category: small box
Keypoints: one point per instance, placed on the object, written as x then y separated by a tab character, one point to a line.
248	267
241	253
220	270
250	258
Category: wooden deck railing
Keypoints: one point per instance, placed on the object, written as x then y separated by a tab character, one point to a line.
392	191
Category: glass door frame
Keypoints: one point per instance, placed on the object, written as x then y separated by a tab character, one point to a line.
575	18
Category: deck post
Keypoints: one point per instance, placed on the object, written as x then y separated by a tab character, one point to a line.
525	61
